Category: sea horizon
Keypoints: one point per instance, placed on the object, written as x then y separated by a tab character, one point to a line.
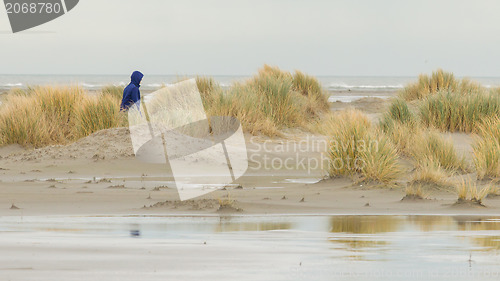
152	82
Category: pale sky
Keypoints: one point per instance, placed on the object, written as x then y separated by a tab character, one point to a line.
224	37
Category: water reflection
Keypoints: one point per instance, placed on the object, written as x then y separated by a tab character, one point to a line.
361	234
304	247
432	223
228	226
365	224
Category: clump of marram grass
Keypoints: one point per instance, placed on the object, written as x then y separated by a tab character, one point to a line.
428	148
266	103
48	115
428	85
435	157
275	72
115	91
380	159
402	135
469	194
40	117
449	111
399	111
400	124
349	130
227	204
210	90
97	113
357	149
429	172
310	87
20	91
494	190
23	123
441	102
486	149
444	103
431	146
414	192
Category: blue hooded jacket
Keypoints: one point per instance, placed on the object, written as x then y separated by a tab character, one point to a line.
131	93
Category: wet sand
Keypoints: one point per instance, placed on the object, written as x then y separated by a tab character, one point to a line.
250	248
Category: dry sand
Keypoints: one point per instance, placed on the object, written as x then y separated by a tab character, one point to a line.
99	175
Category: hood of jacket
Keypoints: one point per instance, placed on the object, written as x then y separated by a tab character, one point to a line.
136	78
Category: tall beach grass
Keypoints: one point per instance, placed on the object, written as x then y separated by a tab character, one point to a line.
48	115
358	149
269	102
486	149
449	111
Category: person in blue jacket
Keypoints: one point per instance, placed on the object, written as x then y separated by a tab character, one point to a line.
131	93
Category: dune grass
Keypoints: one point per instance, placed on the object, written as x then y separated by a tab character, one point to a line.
494	189
427	85
443	102
209	90
400	112
439	81
415	191
55	115
486	149
358	149
467	191
449	111
97	113
426	146
429	172
115	91
402	135
267	103
400	124
380	159
430	146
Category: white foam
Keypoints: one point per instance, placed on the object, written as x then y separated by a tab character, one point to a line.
12	85
352	98
92	86
342	86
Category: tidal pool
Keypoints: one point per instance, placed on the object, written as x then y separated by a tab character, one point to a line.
250	248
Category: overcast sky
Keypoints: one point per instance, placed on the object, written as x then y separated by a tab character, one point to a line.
235	37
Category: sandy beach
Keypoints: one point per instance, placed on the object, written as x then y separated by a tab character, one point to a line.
99	175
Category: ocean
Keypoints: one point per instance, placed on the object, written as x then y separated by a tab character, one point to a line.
153	82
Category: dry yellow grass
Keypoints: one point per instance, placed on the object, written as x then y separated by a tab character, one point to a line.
426	85
429	171
415	191
97	113
402	135
486	149
269	102
467	190
445	103
55	115
431	146
454	111
358	149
